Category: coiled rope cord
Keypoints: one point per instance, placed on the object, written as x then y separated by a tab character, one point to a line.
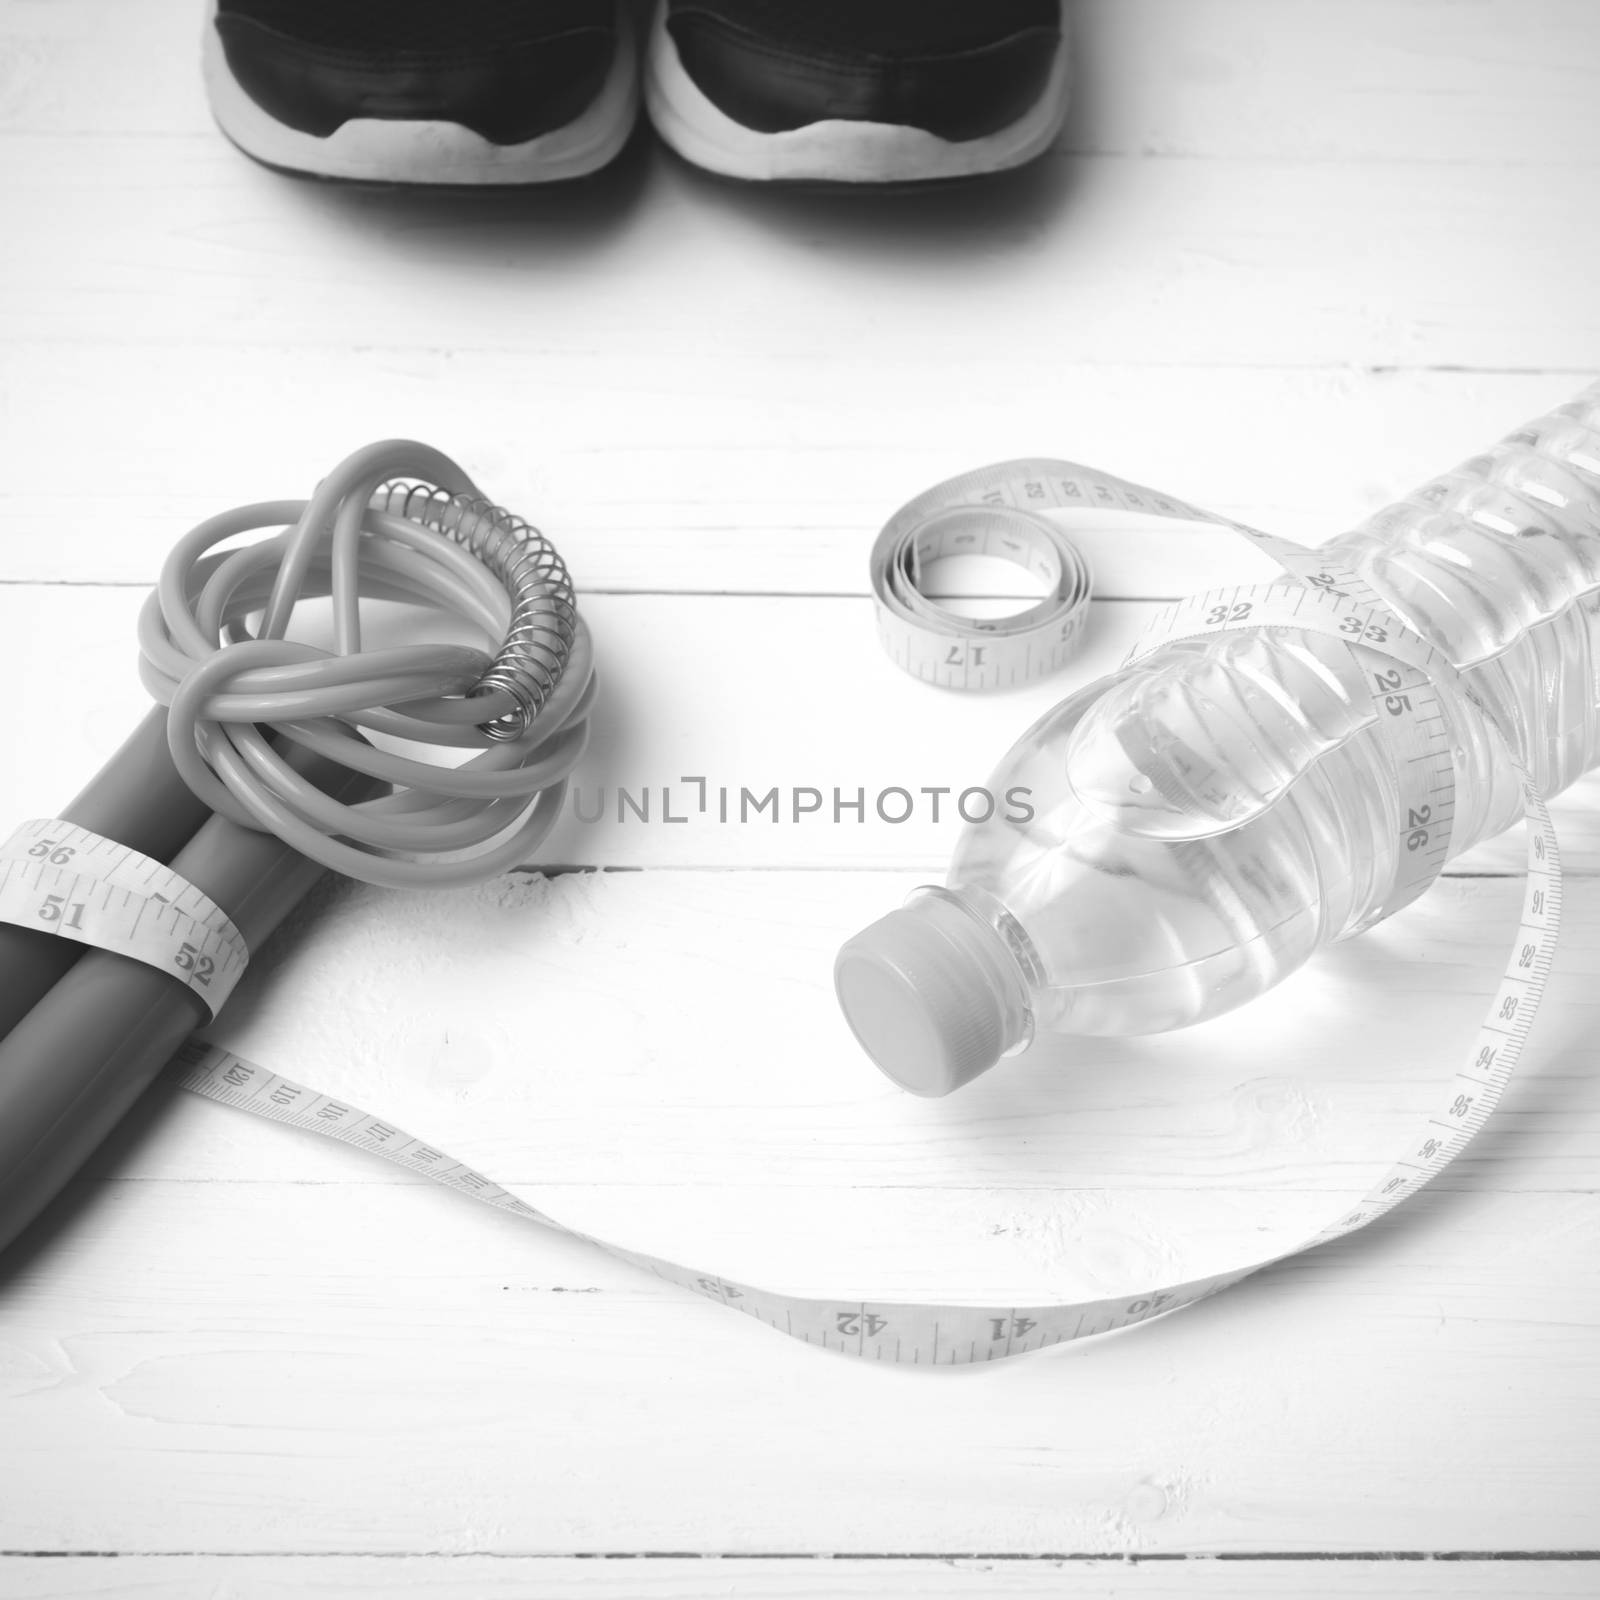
520	702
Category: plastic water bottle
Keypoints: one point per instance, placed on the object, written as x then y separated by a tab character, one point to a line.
1130	902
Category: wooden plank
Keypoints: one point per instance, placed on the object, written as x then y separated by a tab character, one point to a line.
667	1028
1205	262
226	1367
745	692
468	1577
1369	80
653	478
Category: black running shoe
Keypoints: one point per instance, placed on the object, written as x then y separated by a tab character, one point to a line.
857	91
424	91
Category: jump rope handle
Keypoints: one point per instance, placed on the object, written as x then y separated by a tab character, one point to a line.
138	799
79	1058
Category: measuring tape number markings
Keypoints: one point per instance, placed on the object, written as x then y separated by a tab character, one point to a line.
76	885
61	879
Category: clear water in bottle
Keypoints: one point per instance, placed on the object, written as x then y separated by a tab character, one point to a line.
1137	898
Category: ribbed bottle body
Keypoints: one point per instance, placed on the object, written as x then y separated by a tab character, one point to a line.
1498	565
1207	818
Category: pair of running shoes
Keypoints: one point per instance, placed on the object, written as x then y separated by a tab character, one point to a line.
537	91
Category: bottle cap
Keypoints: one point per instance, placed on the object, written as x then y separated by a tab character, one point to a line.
921	991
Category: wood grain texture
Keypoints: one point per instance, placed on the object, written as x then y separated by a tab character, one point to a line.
780	1578
1226	262
1289	260
416	1384
730	480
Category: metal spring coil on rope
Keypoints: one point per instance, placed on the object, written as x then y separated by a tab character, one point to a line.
544	616
395	521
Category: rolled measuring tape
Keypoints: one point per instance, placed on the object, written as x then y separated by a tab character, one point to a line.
1327	599
996	512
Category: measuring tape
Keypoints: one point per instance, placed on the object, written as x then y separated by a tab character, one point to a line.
1331	600
64	880
991	512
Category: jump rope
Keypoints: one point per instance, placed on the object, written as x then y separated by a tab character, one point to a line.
125	922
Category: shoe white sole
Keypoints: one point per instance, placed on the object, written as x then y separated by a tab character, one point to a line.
383	151
837	151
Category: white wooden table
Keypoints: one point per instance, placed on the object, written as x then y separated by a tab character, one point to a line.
1291	259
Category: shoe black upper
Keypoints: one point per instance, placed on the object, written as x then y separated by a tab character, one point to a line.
509	70
957	68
